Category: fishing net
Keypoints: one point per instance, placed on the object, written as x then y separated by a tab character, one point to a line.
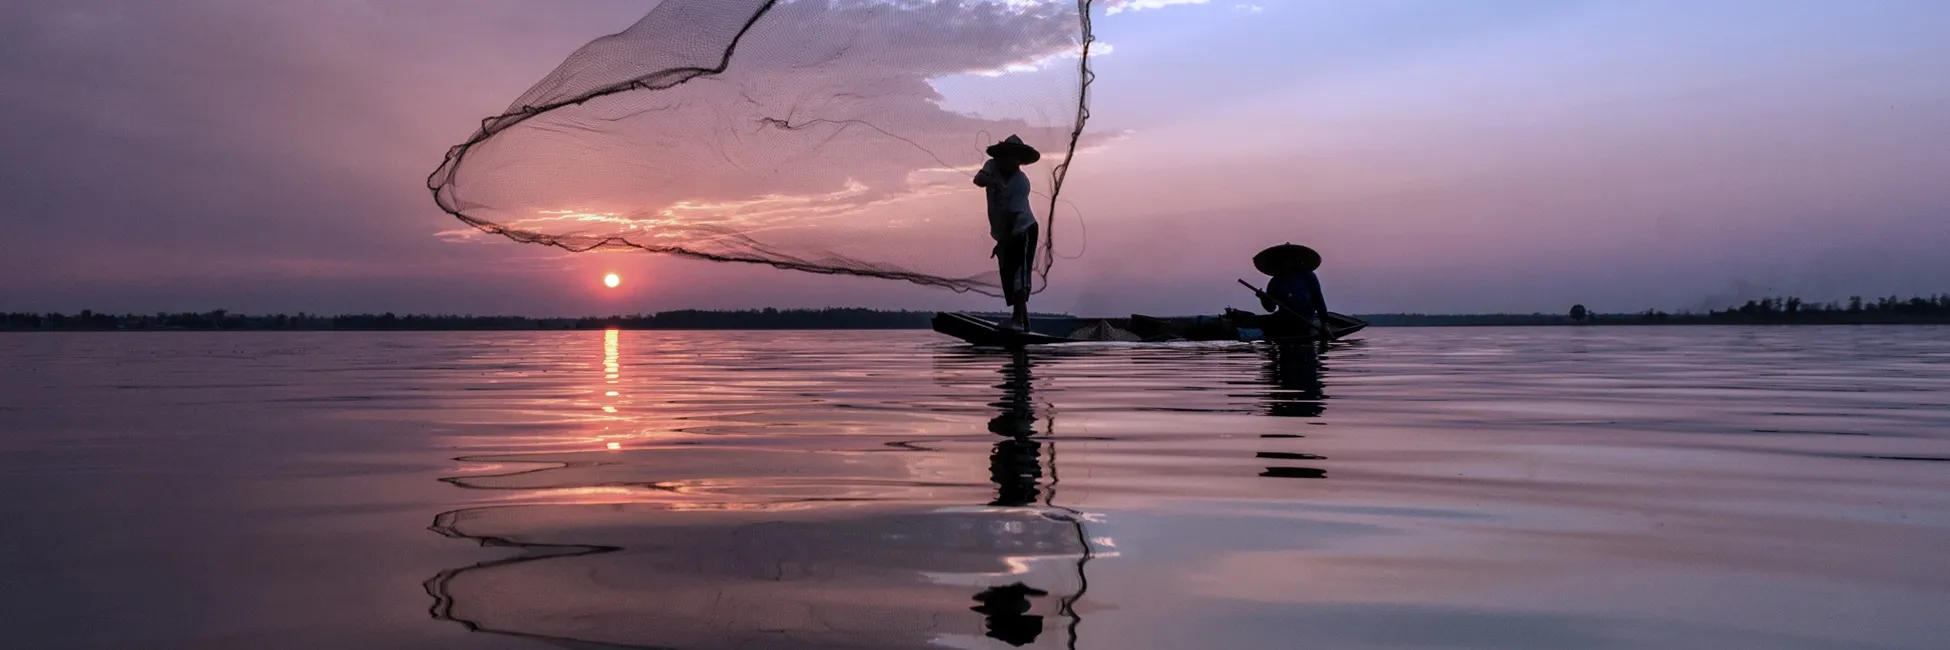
827	136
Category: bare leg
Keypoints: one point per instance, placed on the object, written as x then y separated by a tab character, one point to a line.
1022	315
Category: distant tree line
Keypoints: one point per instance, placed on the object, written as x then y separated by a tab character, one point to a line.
768	318
832	318
1889	310
1459	320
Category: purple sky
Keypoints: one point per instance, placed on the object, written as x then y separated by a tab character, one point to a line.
1444	157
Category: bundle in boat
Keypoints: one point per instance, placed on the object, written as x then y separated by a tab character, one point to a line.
1103	331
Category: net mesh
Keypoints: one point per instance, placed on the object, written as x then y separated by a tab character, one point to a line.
826	136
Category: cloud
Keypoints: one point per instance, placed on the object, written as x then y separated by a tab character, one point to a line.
1114	7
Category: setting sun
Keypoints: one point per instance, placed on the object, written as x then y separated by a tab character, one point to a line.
612	280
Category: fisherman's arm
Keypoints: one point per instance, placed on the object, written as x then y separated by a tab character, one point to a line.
1320	308
1320	301
1266	297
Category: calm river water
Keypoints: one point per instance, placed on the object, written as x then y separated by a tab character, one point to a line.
1695	487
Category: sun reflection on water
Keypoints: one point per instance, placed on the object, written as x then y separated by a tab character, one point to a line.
612	374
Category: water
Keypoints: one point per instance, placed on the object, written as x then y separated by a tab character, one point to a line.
1457	488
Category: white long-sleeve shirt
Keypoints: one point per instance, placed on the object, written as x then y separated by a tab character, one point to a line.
1009	212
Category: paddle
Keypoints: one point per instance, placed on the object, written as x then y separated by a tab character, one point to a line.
1321	327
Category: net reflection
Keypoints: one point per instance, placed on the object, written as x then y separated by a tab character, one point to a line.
729	545
637	575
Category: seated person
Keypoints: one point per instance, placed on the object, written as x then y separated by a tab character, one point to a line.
1293	296
1301	290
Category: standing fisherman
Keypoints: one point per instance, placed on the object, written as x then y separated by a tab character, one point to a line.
1011	223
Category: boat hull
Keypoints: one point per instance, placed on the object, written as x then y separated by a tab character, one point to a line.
1234	326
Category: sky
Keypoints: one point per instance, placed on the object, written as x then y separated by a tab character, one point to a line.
1444	157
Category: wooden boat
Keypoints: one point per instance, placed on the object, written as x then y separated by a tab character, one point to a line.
1231	326
984	332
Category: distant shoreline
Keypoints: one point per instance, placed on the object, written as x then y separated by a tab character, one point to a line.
917	329
1885	311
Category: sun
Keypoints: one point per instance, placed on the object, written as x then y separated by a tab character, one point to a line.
612	280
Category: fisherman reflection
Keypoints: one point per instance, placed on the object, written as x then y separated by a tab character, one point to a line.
1016	468
1006	610
1294	372
1015	462
1298	391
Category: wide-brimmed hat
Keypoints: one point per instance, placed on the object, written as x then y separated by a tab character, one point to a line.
1014	148
1286	258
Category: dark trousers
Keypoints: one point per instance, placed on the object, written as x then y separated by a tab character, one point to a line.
1017	256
